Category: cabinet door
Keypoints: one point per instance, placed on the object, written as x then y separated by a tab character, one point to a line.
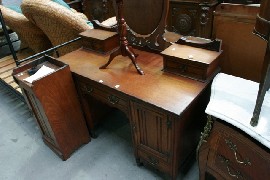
42	120
152	132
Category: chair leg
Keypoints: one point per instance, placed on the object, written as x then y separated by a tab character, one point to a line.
8	38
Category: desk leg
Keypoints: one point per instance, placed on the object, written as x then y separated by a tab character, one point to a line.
89	120
87	114
138	162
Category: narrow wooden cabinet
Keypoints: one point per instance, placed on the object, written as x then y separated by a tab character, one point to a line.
54	102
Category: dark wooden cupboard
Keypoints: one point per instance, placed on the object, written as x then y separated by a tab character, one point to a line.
191	17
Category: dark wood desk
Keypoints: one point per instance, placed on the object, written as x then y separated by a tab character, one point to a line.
166	111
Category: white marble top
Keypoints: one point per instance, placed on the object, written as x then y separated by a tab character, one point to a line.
233	100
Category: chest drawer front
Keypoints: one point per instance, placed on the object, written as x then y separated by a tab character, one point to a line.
237	157
154	160
106	95
185	69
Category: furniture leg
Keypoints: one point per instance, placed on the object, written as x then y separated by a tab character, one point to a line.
112	56
264	86
131	49
124	49
138	162
8	38
132	56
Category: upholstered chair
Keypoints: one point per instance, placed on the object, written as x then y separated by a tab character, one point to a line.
29	34
59	23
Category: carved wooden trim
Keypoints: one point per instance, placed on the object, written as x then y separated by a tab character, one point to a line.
155	39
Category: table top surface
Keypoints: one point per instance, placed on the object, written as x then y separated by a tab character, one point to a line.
170	92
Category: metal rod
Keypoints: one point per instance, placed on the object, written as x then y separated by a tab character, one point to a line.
49	50
8	38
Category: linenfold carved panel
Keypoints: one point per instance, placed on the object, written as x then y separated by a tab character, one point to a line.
153	131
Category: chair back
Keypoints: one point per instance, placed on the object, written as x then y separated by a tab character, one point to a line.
29	34
59	23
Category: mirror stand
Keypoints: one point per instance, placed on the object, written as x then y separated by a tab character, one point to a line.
262	29
263	87
124	49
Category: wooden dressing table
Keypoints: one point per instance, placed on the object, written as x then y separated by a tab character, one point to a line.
165	111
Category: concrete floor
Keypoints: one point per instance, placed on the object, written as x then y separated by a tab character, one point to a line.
24	156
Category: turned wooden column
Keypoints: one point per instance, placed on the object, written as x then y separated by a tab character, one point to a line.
262	29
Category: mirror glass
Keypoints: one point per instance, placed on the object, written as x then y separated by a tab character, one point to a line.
143	16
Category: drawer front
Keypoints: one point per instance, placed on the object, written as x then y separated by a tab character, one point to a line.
106	95
239	158
93	44
185	69
154	161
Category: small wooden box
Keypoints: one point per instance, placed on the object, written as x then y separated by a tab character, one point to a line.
195	63
100	40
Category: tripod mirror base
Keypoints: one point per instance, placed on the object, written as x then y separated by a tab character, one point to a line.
128	51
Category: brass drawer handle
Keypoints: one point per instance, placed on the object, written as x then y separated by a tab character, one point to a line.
233	147
87	89
113	99
227	162
183	68
153	161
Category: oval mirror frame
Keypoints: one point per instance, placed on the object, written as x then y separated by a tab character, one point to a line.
146	21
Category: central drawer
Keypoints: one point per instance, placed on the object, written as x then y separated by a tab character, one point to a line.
105	94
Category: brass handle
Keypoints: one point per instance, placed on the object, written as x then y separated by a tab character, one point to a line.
183	68
204	16
233	175
237	174
113	99
87	89
204	19
134	127
233	147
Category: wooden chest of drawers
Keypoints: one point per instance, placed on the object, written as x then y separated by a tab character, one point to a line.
230	153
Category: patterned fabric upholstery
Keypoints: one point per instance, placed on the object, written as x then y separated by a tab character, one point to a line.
57	22
28	33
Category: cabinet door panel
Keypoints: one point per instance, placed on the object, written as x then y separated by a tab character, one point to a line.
153	131
40	117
